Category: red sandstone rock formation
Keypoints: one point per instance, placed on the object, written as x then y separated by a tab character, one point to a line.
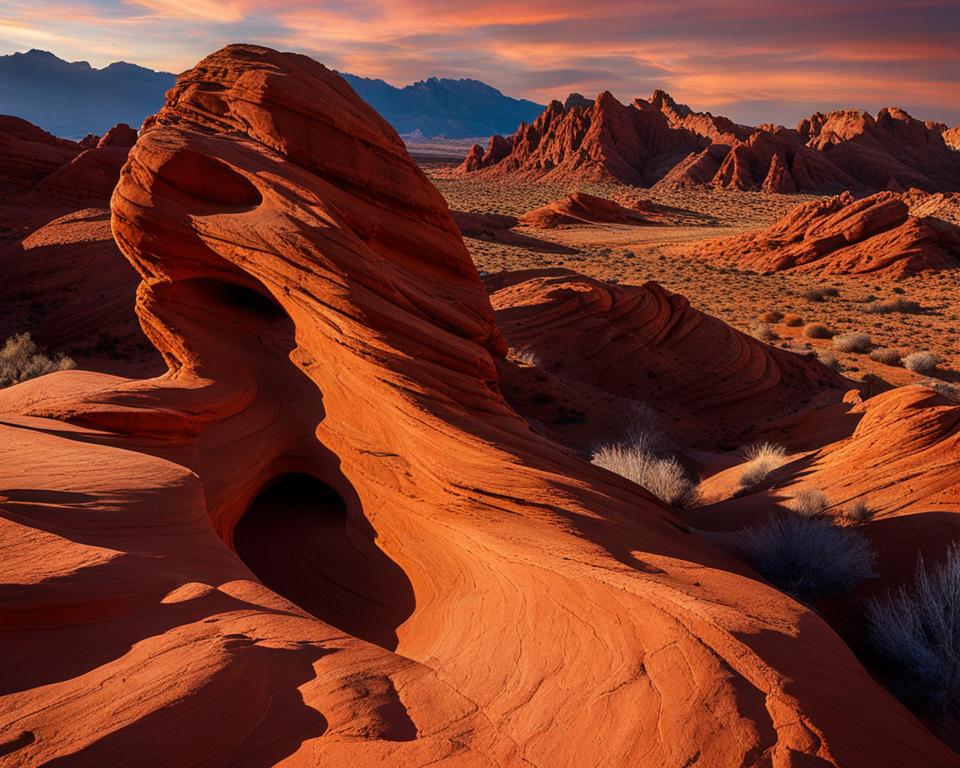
951	137
55	240
841	235
28	153
909	433
89	178
665	142
645	344
331	412
602	142
894	147
580	208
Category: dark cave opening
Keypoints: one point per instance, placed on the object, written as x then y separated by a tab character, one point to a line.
299	538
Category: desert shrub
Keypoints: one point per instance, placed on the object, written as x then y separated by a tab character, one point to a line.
921	362
914	633
895	305
525	357
851	342
808	557
819	294
816	331
859	512
829	360
771	316
792	321
761	460
22	359
809	502
763	331
886	355
950	391
663	476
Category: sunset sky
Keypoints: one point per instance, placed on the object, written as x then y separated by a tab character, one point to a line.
754	61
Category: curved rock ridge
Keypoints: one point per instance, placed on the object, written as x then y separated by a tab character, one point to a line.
580	208
646	344
909	433
659	140
89	178
28	153
331	411
842	235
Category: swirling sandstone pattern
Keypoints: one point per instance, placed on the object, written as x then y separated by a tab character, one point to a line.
486	598
646	344
841	235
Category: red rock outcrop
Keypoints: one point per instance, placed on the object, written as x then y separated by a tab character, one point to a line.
658	140
893	147
331	412
841	235
908	433
605	141
951	137
28	153
648	345
56	241
89	178
580	208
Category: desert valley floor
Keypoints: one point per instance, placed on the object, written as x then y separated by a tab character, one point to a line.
635	254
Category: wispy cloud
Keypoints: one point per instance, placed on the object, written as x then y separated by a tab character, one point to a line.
735	57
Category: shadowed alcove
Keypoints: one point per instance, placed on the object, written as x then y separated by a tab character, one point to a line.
300	540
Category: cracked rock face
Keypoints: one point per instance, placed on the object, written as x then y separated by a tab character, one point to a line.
324	537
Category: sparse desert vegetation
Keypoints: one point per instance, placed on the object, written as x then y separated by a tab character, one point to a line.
851	342
663	476
915	634
808	557
921	362
809	502
22	359
904	306
886	355
760	460
816	331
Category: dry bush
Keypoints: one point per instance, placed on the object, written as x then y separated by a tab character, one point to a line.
915	635
895	305
851	342
761	460
663	476
816	331
526	357
808	557
792	321
819	294
809	502
829	359
22	359
771	316
859	512
921	362
949	391
763	332
886	355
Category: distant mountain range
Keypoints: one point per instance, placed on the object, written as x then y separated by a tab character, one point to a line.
72	99
440	107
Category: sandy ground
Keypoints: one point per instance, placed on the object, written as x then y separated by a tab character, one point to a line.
627	254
